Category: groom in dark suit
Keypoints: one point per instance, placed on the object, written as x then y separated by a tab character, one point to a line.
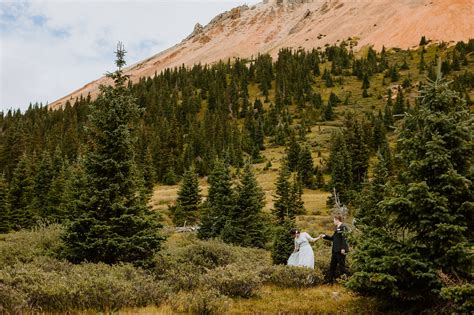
339	249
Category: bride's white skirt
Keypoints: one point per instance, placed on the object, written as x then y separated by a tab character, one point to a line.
303	258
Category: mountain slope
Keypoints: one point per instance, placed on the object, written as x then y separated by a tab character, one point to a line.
267	27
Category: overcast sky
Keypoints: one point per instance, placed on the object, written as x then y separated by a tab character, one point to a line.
50	48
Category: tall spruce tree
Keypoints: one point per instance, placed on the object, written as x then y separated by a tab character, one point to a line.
340	165
186	210
42	183
365	82
328	113
358	150
287	204
114	222
220	202
74	186
20	196
296	194
293	153
425	235
422	64
282	245
54	200
245	225
282	200
399	107
305	167
4	213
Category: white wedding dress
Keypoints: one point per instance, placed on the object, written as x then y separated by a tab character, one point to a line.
304	257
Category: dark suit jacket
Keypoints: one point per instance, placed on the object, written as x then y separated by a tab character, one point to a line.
338	239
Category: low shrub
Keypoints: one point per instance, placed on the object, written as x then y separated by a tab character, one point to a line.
234	281
25	245
182	276
203	301
11	301
46	284
207	255
292	277
192	264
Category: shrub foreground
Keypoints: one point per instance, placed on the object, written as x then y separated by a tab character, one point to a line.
191	276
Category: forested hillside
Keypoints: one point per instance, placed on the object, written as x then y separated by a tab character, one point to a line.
233	111
390	131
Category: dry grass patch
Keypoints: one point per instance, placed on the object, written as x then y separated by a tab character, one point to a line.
315	224
273	300
315	201
319	300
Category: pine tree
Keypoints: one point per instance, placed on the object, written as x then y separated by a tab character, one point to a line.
328	112
293	153
455	64
383	59
20	195
388	116
282	199
399	107
245	225
422	64
340	165
283	243
42	183
366	82
379	132
319	178
368	213
327	77
187	206
220	202
114	222
149	175
287	204
4	213
55	197
305	167
365	94
358	149
423	41
394	75
425	234
170	177
74	186
296	194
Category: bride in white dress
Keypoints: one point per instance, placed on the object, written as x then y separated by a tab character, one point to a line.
303	255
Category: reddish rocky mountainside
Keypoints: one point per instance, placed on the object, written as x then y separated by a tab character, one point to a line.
266	27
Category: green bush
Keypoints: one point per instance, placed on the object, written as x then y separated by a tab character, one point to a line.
292	277
208	255
203	301
25	245
11	301
234	281
46	284
211	263
182	276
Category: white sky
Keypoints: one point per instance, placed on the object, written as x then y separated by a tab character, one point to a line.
50	48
